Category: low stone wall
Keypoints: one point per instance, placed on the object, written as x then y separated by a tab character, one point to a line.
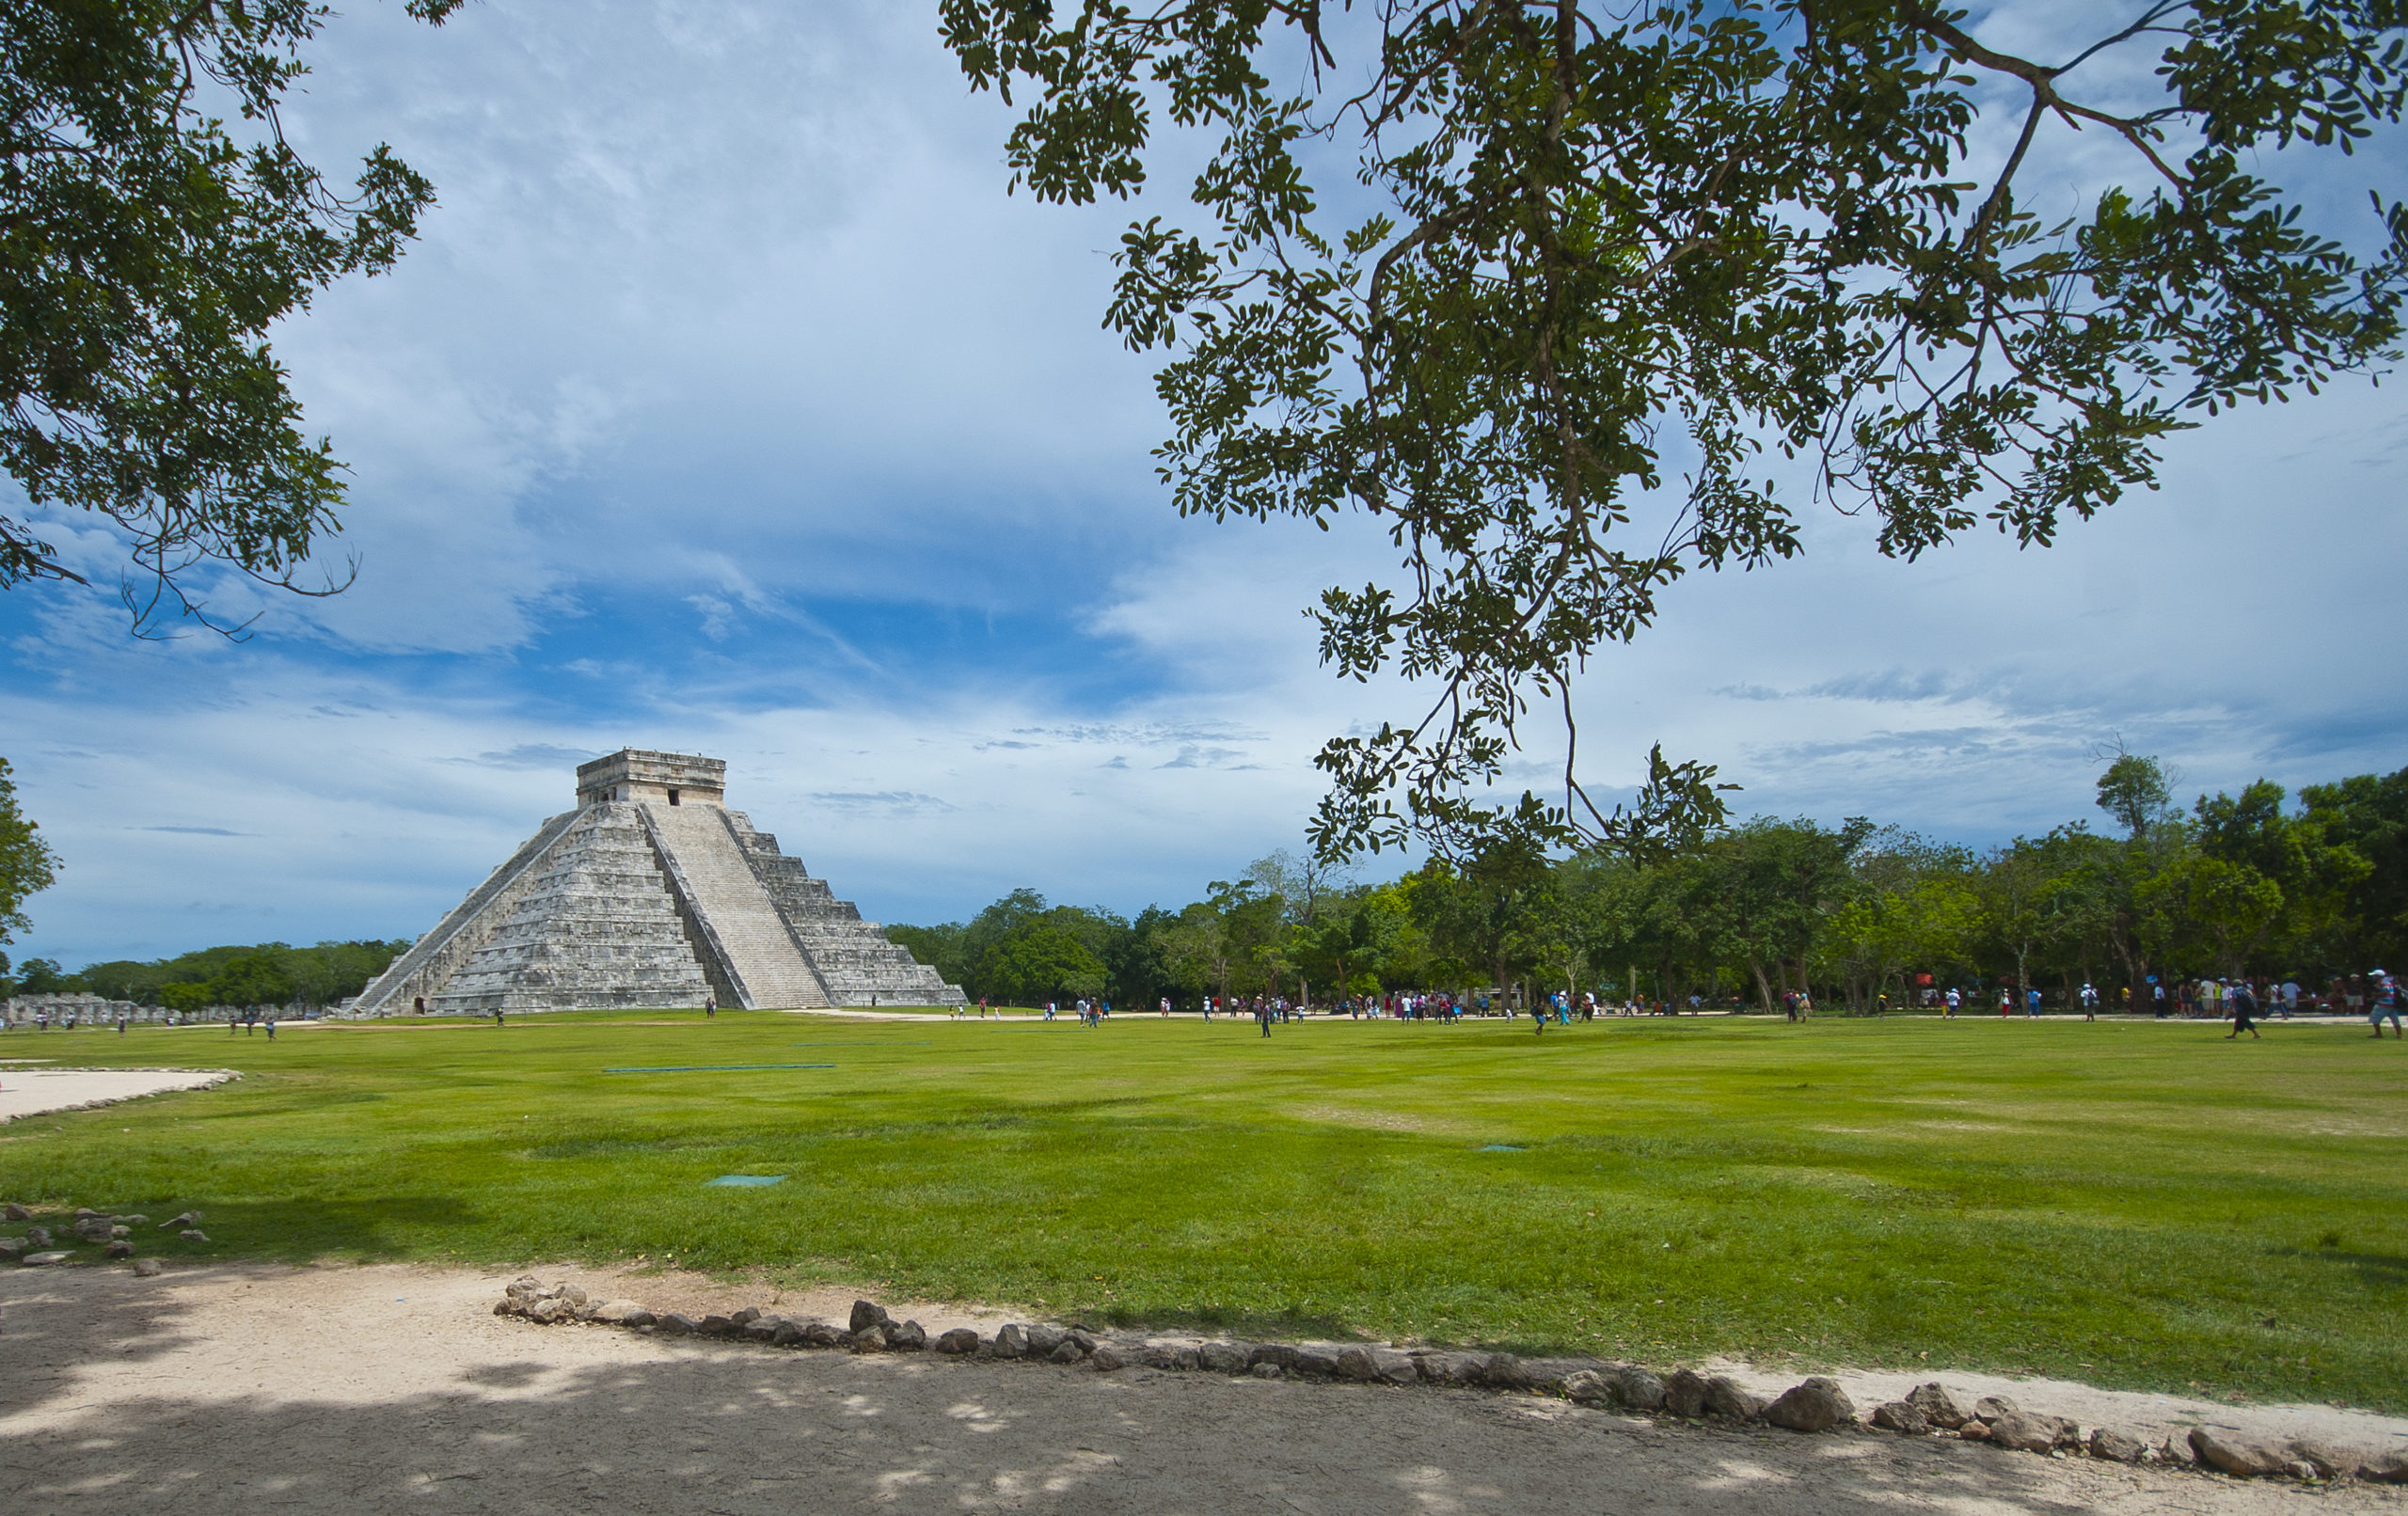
1814	1405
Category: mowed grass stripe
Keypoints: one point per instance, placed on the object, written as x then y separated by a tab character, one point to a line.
2167	1208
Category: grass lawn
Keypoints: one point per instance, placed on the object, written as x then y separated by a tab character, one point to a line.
2136	1205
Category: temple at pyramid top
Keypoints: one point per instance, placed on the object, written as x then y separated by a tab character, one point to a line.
651	894
669	778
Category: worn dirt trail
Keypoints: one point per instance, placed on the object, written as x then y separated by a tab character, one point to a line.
392	1389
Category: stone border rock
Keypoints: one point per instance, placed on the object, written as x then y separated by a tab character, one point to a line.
1812	1406
44	1247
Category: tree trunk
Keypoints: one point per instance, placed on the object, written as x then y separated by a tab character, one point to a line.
1764	985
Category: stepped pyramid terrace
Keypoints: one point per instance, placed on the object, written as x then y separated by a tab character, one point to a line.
651	892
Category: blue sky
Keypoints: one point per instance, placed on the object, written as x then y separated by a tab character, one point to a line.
729	404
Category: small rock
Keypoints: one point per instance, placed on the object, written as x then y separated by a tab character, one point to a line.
764	1329
1357	1364
1588	1388
621	1312
1185	1359
1506	1371
716	1325
1278	1354
2390	1466
1684	1394
1639	1389
2116	1446
1991	1407
959	1340
136	1220
908	1337
544	1313
43	1260
119	1233
1012	1342
2177	1450
1105	1358
1268	1371
867	1312
1975	1431
190	1217
2024	1433
1042	1341
37	1236
2302	1470
1938	1406
1085	1339
822	1335
1394	1367
13	1247
2328	1461
678	1324
1453	1367
1065	1351
119	1248
1229	1358
2234	1453
1725	1397
192	1234
789	1335
85	1213
147	1269
870	1338
1817	1405
523	1285
1318	1363
1902	1417
743	1315
15	1212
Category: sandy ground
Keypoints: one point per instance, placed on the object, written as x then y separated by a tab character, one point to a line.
27	1092
393	1388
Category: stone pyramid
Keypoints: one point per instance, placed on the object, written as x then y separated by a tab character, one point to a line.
651	892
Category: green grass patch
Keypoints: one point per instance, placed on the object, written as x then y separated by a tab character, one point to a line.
2138	1204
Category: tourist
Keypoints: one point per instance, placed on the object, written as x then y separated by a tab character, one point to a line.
2290	993
497	1016
2243	1006
121	1019
2382	1003
2031	999
271	1026
2089	1002
1049	1010
710	1006
1948	1006
1166	1007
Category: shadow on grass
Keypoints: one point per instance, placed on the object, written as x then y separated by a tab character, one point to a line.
505	1417
2376	1270
299	1230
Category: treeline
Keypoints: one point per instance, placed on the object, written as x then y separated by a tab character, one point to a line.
264	974
2249	884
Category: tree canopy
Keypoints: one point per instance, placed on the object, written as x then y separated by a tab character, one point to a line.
146	249
1602	265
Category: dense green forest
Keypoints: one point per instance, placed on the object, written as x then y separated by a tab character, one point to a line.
2254	883
264	974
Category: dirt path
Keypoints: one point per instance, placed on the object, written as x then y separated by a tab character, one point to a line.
27	1092
384	1388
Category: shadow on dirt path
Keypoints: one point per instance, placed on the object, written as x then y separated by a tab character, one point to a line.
392	1389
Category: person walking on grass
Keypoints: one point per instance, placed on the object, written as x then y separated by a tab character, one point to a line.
1263	1015
2243	1008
